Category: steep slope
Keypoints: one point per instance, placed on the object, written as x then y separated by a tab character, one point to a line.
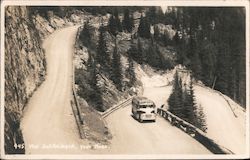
25	68
227	128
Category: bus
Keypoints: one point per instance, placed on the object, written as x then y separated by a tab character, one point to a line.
143	109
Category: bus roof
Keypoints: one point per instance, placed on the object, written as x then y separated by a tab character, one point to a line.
143	100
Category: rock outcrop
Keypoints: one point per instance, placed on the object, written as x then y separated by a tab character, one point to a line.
25	69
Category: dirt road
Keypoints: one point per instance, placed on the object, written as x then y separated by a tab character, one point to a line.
48	118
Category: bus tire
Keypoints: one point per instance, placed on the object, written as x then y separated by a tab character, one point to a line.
137	116
140	120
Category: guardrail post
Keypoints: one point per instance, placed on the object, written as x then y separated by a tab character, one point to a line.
173	120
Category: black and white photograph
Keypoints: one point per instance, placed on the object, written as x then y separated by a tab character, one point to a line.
124	79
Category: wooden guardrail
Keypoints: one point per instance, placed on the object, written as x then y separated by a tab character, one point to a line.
116	107
194	132
222	95
79	115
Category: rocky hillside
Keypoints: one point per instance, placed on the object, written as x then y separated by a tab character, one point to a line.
25	69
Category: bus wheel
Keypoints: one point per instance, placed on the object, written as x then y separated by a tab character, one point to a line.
140	120
137	116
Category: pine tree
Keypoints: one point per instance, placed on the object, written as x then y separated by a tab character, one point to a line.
131	70
192	113
90	61
96	94
156	33
133	51
175	101
85	35
112	26
102	56
208	54
141	57
195	65
187	108
117	69
182	104
153	57
201	119
190	106
127	21
144	28
222	71
117	21
152	15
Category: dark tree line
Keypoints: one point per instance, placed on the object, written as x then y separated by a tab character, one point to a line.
103	10
144	28
211	42
150	55
115	25
182	103
131	70
116	75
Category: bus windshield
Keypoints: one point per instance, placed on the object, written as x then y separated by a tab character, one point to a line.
146	106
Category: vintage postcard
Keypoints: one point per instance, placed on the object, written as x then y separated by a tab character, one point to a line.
124	79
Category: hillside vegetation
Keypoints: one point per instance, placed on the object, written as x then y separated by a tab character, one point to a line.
200	39
111	50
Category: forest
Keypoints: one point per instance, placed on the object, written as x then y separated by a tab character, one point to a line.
210	41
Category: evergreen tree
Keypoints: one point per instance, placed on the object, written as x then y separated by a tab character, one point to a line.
96	94
160	16
153	57
85	35
117	69
201	119
208	54
156	33
182	104
152	15
133	51
117	21
187	109
195	65
141	58
222	73
127	21
190	105
144	28
194	115
131	70
169	18
175	101
90	61
112	25
102	56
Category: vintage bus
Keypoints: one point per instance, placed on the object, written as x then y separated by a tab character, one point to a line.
143	109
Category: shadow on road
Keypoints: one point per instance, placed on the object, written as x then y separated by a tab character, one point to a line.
145	121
